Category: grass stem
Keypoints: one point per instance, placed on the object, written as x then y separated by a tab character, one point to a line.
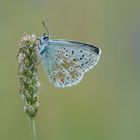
32	128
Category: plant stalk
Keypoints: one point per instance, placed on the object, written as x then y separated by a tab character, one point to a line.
32	128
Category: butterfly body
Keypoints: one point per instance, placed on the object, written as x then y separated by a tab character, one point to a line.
66	61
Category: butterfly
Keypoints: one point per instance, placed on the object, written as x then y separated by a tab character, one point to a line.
66	61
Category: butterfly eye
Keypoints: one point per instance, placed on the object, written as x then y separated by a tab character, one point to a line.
45	38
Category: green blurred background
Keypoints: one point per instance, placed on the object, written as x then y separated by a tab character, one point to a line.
106	104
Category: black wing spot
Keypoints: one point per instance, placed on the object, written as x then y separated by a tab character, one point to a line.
53	73
68	77
72	52
71	69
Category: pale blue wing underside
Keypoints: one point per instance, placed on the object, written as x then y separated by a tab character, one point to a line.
66	61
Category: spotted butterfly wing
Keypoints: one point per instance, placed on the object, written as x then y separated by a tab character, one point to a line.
66	61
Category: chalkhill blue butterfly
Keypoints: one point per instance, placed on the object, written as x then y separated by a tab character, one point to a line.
66	61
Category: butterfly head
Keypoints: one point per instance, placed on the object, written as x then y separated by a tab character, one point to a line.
44	38
43	42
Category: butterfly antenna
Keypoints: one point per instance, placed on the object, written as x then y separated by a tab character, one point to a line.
48	33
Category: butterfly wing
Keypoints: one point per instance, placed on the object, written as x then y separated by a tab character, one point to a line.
66	61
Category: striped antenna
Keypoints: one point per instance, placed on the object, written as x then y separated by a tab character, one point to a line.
48	33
